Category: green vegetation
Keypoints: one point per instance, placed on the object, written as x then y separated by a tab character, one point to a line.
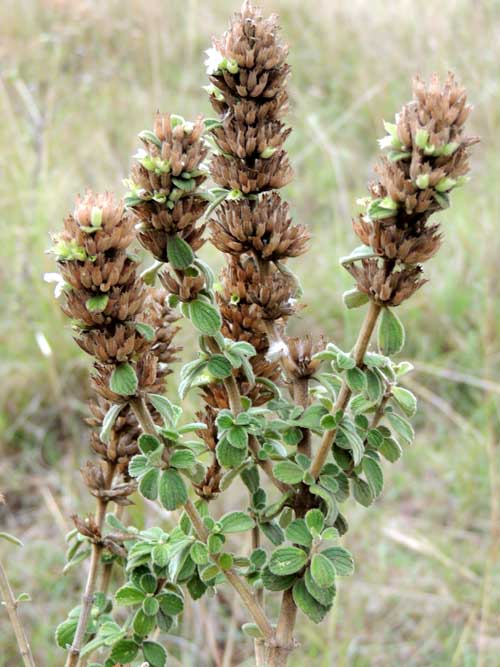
78	81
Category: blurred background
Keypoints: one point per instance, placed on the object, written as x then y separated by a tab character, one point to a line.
78	80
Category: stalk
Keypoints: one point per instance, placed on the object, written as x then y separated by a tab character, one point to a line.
11	606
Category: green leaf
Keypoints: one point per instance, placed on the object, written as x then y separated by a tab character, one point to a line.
182	458
148	443
229	456
109	421
324	596
238	437
374	386
348	438
406	400
298	533
322	571
288	472
146	331
123	380
341	559
306	603
173	492
124	651
150	606
356	380
287	560
138	465
199	553
390	333
96	304
10	538
353	298
219	366
391	450
345	361
179	253
402	427
252	630
361	252
129	595
168	410
143	624
362	492
205	317
148	486
312	417
171	603
374	475
65	632
154	653
236	522
315	521
160	555
276	583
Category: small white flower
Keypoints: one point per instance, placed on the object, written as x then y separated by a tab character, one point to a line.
58	280
277	349
214	61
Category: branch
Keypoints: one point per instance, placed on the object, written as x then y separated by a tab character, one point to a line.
11	606
147	424
358	354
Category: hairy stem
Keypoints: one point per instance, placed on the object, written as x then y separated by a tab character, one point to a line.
358	354
147	424
91	584
11	606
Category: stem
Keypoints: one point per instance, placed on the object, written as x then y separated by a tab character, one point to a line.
11	606
108	568
358	354
301	397
278	654
147	424
90	586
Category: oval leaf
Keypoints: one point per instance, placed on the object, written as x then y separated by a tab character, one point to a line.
123	380
287	560
391	333
205	317
173	492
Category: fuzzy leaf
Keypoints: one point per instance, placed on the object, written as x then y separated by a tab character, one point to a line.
143	624
324	596
182	458
123	380
179	252
205	317
391	333
148	486
374	475
341	559
154	653
356	380
129	595
199	553
362	492
238	437
402	427
298	533
306	603
173	492
406	400
146	331
287	560
391	449
353	298
315	521
288	472
276	583
65	632
322	571
229	456
219	366
124	651
171	603
236	522
96	304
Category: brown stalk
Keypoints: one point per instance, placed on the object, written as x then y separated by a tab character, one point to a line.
11	606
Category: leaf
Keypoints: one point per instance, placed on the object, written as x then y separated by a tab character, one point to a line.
199	553
288	472
402	427
390	333
96	304
10	538
171	603
154	653
138	465
345	361
276	583
205	317
312	417
341	559
361	252
150	606
322	571
272	531
353	298
236	522
173	492
348	438
123	380
146	331
391	449
306	603
324	596
219	366
109	421
179	252
315	521
229	456
124	651
143	624
362	492
374	387
148	443
128	595
287	560
148	486
374	475
356	380
252	630
238	437
182	458
65	632
160	555
406	400
298	533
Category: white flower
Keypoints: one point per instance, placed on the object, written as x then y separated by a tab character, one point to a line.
277	349
214	61
58	280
